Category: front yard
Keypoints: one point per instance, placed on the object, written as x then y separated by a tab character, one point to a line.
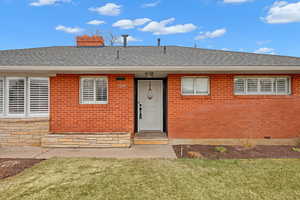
186	179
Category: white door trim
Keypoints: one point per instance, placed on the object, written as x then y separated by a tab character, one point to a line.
160	108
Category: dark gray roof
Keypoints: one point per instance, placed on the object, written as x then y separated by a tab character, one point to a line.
138	56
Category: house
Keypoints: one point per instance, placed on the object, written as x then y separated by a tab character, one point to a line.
90	95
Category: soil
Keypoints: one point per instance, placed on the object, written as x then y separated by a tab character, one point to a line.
11	167
235	152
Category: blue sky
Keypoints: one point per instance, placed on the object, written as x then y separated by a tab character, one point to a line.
263	26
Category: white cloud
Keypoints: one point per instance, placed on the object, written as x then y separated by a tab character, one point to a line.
282	12
47	2
161	28
152	4
129	39
214	34
129	24
236	1
72	30
109	9
265	50
96	22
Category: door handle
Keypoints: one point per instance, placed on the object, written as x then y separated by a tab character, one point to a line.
140	109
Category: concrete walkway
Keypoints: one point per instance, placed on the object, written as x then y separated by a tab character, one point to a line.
136	151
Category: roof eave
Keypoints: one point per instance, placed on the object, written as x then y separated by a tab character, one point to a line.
71	69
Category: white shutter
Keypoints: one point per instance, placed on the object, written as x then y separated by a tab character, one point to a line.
252	85
201	85
93	90
16	96
39	96
282	85
239	86
101	89
266	85
87	91
1	96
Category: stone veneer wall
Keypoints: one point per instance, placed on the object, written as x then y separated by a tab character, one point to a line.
88	140
23	132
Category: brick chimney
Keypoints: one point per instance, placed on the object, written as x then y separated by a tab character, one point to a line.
90	41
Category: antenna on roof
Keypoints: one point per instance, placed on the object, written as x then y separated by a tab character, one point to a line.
118	54
165	49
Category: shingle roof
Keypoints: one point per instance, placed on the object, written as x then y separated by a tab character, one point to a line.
138	56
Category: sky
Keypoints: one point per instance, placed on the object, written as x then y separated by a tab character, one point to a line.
257	26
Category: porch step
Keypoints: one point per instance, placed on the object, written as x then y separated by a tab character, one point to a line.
150	141
150	137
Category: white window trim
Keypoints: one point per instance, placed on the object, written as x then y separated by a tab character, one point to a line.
195	94
260	93
3	103
81	90
27	113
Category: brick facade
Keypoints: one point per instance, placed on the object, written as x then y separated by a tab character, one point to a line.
224	115
69	116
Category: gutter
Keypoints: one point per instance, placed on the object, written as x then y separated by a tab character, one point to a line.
57	69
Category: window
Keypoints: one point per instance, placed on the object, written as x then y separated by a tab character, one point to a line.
262	86
195	86
16	96
24	97
1	96
93	90
38	98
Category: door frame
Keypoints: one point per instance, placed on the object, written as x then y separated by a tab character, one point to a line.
164	106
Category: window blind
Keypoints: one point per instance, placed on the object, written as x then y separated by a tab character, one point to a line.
16	96
265	86
39	97
93	90
1	96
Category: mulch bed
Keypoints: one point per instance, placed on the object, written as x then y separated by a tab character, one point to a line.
11	167
235	152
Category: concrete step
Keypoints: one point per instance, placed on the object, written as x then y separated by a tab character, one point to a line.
150	141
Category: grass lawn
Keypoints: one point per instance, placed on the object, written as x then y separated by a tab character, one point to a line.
107	179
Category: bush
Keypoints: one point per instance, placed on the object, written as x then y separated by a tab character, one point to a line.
296	149
221	149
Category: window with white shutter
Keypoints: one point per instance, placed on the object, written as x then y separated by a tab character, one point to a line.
93	90
262	85
24	97
38	96
16	96
195	86
1	96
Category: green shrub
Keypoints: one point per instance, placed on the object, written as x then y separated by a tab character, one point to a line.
221	149
296	149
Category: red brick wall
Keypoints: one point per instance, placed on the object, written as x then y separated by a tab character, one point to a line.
224	115
68	115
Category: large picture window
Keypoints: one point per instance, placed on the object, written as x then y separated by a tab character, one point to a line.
262	86
93	90
24	97
195	85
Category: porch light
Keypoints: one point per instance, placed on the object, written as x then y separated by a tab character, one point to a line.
150	92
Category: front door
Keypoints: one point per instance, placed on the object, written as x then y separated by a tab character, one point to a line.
150	105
